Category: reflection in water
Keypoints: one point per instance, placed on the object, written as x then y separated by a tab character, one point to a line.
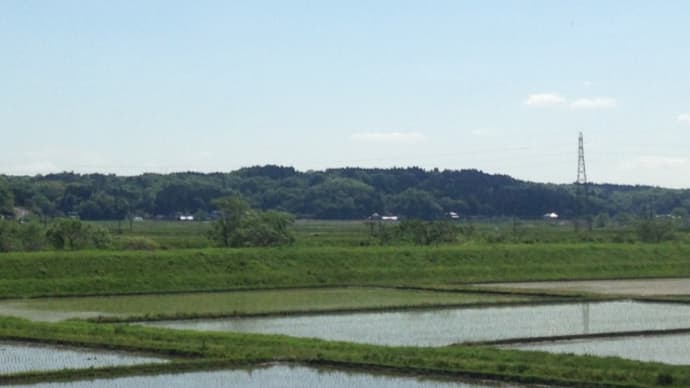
585	318
670	349
275	376
447	326
21	357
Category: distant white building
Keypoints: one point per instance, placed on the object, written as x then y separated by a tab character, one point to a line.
551	216
389	218
186	218
454	215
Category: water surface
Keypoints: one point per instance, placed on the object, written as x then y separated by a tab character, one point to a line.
237	302
447	326
669	349
275	376
21	357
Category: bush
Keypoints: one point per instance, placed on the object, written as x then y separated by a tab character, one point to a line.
32	237
21	237
656	230
73	234
495	238
664	379
8	237
138	244
427	232
100	237
242	226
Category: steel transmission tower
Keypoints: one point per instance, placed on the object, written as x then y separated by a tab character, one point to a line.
582	192
581	171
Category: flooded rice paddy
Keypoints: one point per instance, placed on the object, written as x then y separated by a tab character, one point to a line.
274	376
18	357
448	326
239	302
669	349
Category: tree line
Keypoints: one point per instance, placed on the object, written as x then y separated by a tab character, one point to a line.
343	193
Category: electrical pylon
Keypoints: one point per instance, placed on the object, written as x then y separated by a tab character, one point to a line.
581	189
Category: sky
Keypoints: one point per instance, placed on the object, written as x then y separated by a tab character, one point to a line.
505	87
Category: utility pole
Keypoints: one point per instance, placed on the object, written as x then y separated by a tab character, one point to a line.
581	189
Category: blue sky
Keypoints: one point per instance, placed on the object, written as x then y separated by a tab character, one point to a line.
502	86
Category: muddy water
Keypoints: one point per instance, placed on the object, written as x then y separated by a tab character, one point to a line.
274	376
669	349
443	327
21	357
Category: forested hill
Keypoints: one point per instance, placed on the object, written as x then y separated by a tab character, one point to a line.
347	193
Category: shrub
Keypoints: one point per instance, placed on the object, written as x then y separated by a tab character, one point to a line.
99	237
138	244
8	237
655	230
240	225
32	236
21	237
427	232
73	234
664	378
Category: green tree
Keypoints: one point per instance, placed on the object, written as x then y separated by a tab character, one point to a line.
602	220
67	233
73	234
624	219
6	198
342	198
414	203
9	240
266	229
21	237
233	210
680	214
341	193
240	225
32	236
655	229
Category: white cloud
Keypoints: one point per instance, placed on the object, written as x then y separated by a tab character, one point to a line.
544	100
594	103
550	100
389	137
684	118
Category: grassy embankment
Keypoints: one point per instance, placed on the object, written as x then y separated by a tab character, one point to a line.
195	351
118	272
